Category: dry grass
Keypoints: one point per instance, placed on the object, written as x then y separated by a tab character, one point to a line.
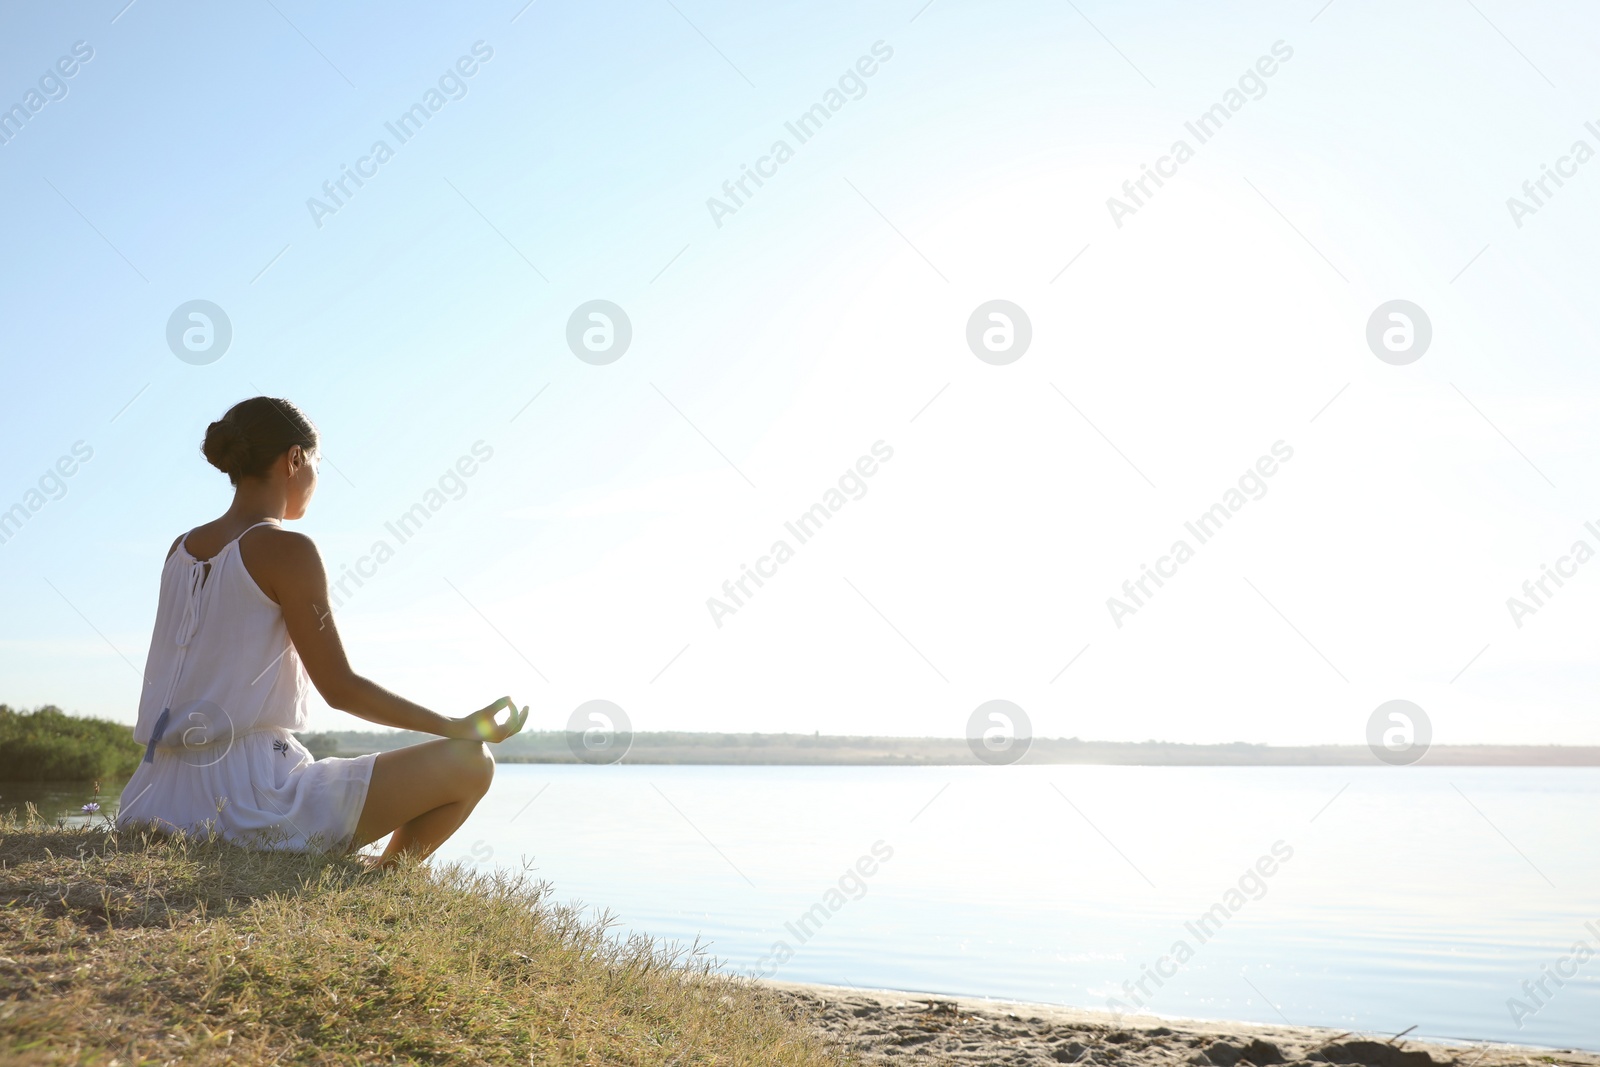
131	949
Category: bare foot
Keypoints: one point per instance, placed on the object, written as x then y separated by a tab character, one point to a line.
372	863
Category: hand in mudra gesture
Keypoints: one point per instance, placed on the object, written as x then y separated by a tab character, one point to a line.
485	724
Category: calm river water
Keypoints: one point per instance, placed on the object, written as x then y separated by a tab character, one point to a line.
1413	895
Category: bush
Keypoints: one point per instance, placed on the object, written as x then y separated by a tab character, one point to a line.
49	745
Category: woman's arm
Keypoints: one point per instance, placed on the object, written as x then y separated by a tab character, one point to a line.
295	578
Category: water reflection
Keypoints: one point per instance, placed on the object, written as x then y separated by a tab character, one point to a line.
65	803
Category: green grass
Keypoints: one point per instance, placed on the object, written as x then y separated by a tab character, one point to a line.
123	949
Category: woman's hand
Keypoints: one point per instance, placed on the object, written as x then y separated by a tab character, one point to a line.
482	725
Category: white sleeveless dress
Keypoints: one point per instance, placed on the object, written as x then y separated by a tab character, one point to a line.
224	689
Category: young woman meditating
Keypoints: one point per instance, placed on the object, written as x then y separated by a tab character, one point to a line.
243	623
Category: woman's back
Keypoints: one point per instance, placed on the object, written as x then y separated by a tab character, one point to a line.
224	691
221	664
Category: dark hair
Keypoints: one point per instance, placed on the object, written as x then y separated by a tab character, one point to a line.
245	441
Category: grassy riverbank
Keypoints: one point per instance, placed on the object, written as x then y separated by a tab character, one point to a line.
131	949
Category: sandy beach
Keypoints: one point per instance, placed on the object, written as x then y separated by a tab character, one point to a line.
884	1026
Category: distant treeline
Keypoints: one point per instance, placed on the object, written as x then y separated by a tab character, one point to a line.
551	746
47	744
50	745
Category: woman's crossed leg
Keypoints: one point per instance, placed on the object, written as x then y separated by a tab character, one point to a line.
423	794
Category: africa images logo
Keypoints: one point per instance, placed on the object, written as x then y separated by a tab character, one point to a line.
999	733
599	732
1399	732
199	332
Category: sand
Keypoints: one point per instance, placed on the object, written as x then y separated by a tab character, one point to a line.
883	1026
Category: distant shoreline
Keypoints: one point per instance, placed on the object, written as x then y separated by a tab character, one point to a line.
817	750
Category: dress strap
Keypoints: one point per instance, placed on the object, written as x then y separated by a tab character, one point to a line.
184	542
264	522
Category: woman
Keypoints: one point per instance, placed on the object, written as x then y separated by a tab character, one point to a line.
243	622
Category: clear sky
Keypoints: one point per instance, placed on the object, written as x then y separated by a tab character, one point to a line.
779	336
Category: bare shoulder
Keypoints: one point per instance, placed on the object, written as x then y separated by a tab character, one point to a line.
280	539
279	560
175	543
281	547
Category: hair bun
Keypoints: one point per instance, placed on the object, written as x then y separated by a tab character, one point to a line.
223	446
255	432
